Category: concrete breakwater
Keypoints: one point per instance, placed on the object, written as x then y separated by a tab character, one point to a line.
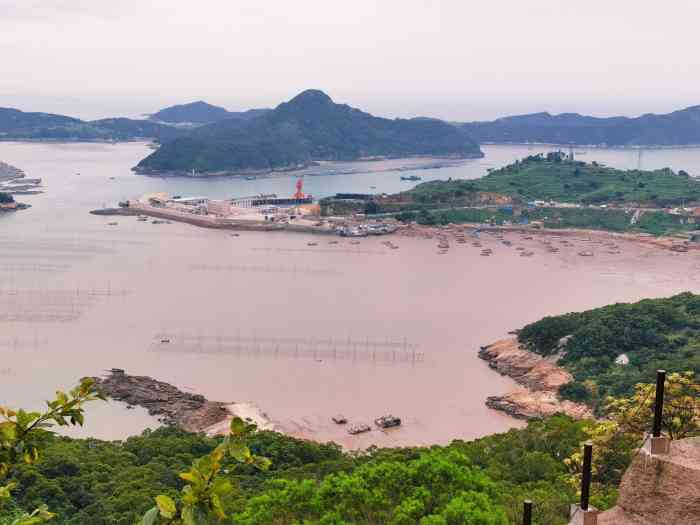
208	221
540	378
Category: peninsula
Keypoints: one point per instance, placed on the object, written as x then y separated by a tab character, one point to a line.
571	363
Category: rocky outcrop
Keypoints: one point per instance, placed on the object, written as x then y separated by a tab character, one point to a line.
660	488
540	378
191	412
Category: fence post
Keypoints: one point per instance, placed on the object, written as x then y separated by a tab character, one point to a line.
584	514
659	444
586	477
659	403
527	512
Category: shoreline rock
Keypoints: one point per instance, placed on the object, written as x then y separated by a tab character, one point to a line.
190	412
540	378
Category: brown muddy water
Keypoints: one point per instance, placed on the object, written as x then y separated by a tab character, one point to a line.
303	332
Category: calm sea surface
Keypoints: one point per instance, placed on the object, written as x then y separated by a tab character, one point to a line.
302	332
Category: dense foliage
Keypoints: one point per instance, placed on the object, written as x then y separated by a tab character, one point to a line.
477	482
540	178
653	334
307	128
677	128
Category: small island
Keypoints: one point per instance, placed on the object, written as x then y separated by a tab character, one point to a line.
553	191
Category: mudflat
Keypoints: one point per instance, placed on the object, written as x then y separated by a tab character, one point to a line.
301	332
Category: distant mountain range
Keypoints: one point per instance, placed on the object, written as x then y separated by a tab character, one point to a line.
201	112
673	129
16	124
308	128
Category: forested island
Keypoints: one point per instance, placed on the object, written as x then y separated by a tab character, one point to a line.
678	128
308	128
552	189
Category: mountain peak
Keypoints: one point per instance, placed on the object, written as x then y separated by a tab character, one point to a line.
311	96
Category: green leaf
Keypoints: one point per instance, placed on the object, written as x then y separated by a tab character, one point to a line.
218	507
239	451
238	427
167	506
151	517
261	462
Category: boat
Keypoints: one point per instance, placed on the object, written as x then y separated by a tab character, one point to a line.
410	177
312	244
586	253
387	421
339	419
358	429
112	223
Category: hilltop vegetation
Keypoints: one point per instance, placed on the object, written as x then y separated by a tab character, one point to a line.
479	482
673	129
653	334
308	128
553	178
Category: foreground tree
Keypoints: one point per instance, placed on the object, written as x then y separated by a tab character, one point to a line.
202	501
19	434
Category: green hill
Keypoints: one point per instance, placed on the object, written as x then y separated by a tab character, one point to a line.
673	129
201	112
308	128
554	178
16	124
653	334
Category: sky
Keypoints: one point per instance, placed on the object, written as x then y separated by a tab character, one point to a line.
457	60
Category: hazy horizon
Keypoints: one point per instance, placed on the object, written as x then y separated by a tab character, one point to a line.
450	60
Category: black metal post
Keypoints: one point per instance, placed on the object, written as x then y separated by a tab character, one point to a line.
586	477
659	404
527	512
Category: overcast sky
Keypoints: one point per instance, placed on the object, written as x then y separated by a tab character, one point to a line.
453	59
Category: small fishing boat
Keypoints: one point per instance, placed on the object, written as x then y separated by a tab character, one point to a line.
358	429
387	421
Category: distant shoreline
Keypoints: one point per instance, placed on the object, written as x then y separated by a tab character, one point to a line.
449	161
595	146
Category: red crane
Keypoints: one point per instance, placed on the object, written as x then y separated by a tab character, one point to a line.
299	194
